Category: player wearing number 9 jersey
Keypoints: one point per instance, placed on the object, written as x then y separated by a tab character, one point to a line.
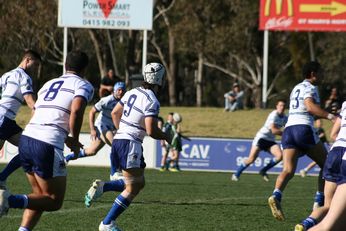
58	117
299	136
134	116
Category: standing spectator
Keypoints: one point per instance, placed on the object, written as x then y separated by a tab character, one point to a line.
59	112
234	98
332	104
107	83
134	116
16	88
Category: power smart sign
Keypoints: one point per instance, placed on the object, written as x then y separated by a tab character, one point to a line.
106	14
303	15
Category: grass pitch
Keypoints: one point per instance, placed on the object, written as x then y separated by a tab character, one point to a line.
174	201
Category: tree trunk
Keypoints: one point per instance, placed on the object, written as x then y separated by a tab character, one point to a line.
199	80
171	69
101	64
112	51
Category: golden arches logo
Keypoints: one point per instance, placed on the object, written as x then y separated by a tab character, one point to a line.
278	7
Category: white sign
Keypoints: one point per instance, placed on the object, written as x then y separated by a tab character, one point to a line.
106	14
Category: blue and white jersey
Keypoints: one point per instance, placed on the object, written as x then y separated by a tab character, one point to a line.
273	118
105	106
340	140
50	122
15	84
298	113
138	103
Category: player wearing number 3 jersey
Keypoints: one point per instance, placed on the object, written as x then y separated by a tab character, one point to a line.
299	136
58	117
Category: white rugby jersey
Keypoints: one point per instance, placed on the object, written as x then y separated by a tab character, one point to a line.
298	113
138	103
15	84
273	118
50	122
105	106
340	140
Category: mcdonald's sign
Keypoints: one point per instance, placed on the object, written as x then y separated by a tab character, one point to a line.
305	15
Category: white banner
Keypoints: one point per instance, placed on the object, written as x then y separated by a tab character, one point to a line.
106	14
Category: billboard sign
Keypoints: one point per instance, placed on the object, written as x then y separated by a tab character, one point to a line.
106	14
303	15
212	154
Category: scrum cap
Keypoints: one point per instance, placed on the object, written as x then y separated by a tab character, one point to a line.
154	73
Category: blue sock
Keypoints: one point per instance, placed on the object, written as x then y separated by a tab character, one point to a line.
12	166
309	222
278	194
319	198
271	164
71	155
119	206
115	185
21	228
241	168
18	201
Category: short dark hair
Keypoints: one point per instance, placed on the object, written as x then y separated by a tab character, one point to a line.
309	67
28	53
280	100
76	61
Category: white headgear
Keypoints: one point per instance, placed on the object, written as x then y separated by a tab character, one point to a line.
154	73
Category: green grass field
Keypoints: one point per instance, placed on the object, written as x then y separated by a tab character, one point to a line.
174	201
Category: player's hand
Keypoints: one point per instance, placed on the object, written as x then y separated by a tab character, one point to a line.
73	144
93	135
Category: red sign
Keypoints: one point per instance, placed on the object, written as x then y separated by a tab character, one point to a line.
306	15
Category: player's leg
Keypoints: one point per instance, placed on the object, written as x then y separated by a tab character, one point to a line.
107	137
335	218
50	198
277	153
332	174
165	151
290	159
305	170
318	154
14	164
134	178
254	151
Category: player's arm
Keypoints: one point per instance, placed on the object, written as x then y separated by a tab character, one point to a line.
116	114
335	129
154	131
76	120
275	130
316	110
30	100
92	114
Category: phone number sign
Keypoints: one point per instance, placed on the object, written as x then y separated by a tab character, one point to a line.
106	14
303	15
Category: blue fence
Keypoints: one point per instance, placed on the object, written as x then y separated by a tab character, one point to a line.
210	154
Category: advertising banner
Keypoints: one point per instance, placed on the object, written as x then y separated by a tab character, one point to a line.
106	14
303	15
223	155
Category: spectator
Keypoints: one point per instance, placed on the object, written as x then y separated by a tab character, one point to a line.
234	98
107	83
332	104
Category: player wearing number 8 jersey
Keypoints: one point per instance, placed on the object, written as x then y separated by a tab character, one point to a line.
135	116
59	112
299	136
